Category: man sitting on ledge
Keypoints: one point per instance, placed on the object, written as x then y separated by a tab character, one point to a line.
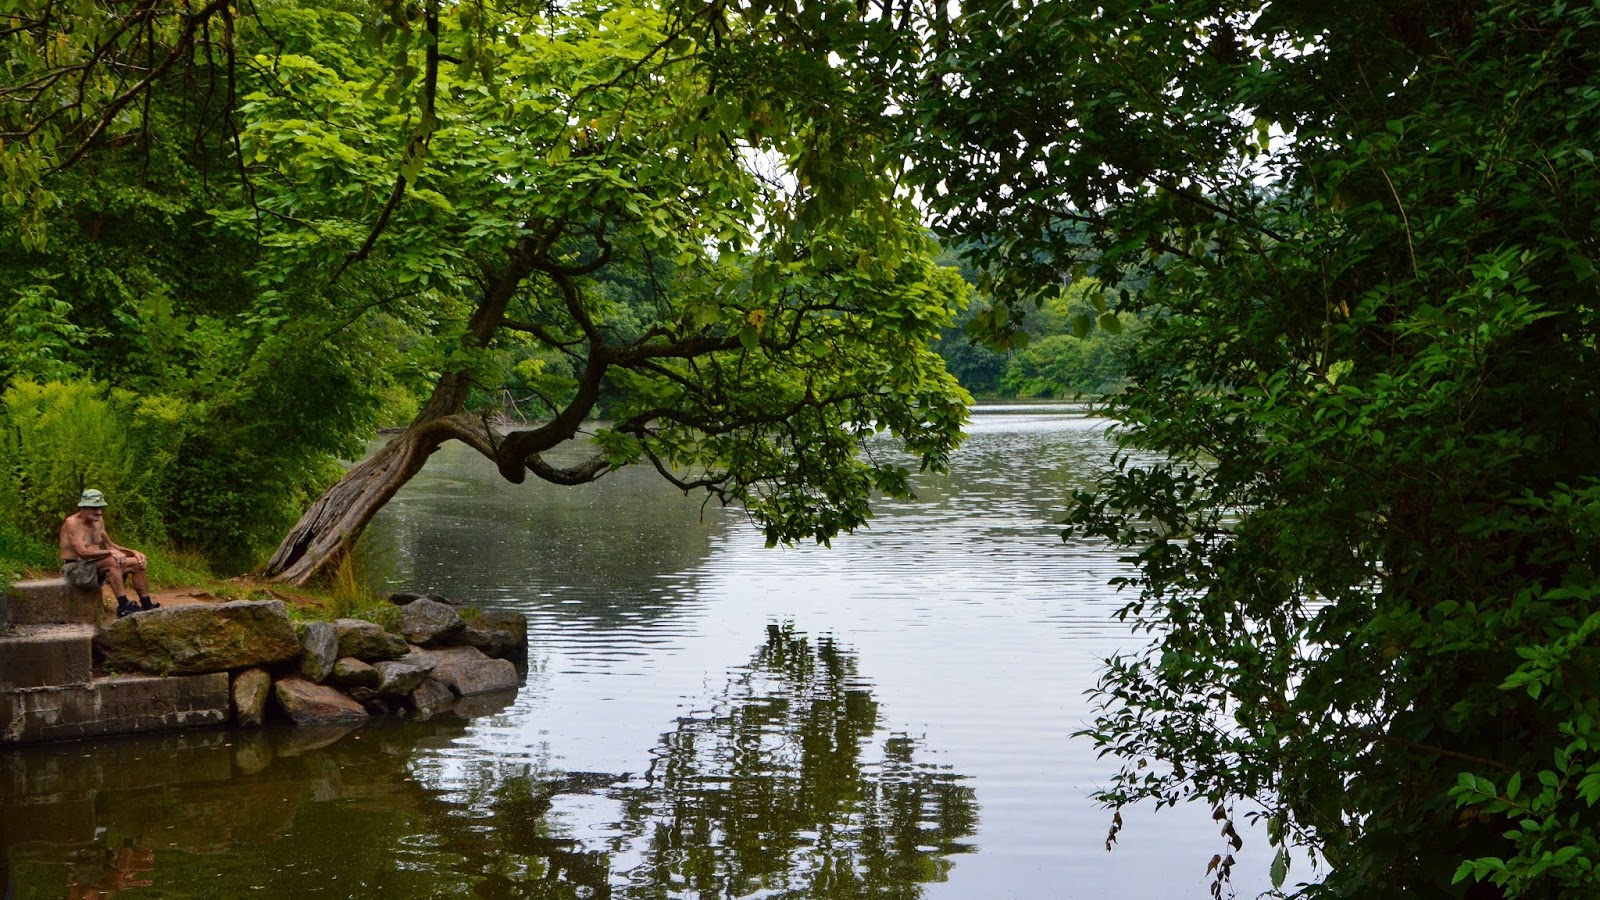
89	556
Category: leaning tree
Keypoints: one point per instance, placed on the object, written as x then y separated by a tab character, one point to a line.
681	218
674	219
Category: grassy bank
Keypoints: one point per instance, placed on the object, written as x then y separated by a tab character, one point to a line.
176	572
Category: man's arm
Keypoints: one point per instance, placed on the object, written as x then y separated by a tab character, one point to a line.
128	552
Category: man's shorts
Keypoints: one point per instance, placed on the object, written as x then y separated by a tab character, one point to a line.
84	573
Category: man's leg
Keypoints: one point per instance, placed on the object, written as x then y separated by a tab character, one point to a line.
141	583
113	574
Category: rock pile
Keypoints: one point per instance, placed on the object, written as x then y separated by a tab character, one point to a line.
325	672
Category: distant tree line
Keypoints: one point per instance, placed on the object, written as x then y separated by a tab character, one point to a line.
1072	342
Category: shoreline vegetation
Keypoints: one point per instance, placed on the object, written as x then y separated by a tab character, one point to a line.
178	578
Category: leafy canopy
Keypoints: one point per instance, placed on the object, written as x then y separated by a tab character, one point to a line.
683	219
1366	545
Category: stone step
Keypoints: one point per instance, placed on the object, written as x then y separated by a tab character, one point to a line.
50	601
46	655
122	704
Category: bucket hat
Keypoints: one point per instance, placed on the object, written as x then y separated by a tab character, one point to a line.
92	498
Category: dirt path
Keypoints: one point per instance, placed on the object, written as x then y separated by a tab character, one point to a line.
240	588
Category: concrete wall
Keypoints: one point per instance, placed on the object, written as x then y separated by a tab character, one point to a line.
48	691
125	704
50	601
46	655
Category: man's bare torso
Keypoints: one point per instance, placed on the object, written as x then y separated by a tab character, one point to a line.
83	537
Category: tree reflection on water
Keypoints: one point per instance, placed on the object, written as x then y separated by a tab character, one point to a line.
785	789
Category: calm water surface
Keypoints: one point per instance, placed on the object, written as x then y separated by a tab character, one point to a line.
703	717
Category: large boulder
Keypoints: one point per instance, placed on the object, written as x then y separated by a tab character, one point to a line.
350	672
250	689
467	671
500	634
199	638
366	641
425	621
307	703
401	676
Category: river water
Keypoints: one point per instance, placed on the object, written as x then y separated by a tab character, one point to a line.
702	717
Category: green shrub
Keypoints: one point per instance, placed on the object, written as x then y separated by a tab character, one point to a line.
20	552
63	436
38	336
1061	365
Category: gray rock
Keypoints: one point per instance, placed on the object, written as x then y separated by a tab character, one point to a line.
401	676
425	621
486	677
403	599
366	641
431	696
319	649
500	634
199	638
467	671
308	703
250	689
350	673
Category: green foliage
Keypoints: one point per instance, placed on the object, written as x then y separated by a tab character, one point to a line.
20	553
62	437
1079	345
1070	344
559	210
593	215
1365	542
230	398
38	335
1062	365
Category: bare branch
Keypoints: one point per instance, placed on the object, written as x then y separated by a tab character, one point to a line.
582	473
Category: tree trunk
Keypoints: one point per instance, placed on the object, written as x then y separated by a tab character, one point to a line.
330	527
328	530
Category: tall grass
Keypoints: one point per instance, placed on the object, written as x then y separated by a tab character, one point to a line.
349	592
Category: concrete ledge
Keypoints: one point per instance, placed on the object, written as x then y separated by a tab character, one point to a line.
125	704
51	601
46	655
